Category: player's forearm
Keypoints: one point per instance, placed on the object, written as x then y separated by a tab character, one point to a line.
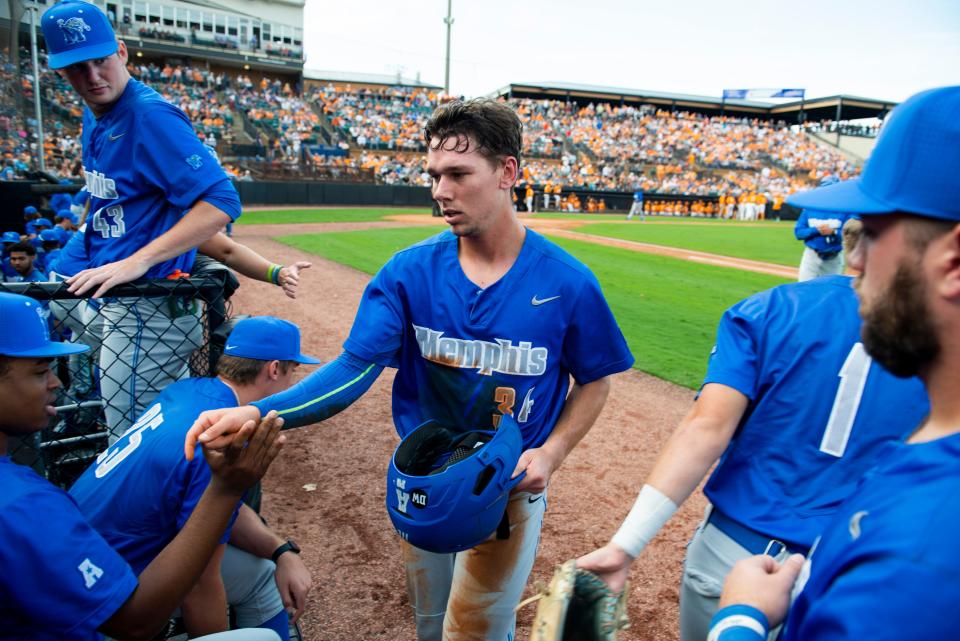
699	440
196	227
165	582
204	608
237	257
252	535
327	391
580	412
693	448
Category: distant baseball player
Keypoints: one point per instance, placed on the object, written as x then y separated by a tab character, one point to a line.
484	320
885	565
60	579
795	411
155	194
820	233
637	206
140	491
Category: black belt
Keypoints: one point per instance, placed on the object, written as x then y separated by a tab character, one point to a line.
827	255
751	540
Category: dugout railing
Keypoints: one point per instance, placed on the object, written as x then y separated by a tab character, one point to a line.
80	430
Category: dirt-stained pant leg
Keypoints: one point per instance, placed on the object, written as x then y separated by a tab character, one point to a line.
470	596
711	555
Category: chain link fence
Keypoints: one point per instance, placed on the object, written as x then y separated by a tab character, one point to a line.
142	338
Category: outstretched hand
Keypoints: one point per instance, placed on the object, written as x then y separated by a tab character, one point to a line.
245	460
289	277
761	582
610	563
213	429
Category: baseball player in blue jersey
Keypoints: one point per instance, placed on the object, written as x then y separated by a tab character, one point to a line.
637	206
155	194
885	566
139	493
796	411
483	320
60	579
820	233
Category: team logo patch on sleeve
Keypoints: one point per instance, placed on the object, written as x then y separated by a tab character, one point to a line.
195	161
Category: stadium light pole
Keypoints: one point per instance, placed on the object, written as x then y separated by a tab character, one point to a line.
449	22
34	9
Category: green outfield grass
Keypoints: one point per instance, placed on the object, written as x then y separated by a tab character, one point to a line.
668	308
770	242
345	215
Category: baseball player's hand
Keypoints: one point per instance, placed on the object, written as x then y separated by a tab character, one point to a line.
106	276
245	460
610	563
294	583
826	230
539	464
290	277
763	583
213	428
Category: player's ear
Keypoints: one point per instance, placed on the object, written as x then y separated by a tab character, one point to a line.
947	259
510	172
122	52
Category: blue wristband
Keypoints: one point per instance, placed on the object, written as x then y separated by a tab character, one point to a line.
739	623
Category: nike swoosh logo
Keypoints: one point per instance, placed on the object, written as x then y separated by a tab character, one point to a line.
115	137
231	347
540	301
534	499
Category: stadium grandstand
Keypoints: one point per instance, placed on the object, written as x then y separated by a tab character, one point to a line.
237	70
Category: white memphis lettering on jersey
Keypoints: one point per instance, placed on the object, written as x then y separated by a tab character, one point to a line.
99	185
487	357
91	573
834	223
111	458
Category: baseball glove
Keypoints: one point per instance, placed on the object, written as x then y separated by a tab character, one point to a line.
578	606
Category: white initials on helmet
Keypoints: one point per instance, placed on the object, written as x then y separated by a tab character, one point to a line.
402	499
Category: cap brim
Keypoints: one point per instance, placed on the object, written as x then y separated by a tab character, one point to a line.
847	197
91	52
307	360
50	350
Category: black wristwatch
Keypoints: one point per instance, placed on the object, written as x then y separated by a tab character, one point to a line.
289	546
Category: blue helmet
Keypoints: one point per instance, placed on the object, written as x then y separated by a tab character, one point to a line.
447	490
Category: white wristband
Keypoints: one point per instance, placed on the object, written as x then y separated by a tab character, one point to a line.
650	511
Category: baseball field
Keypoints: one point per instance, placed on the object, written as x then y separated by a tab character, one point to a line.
667	280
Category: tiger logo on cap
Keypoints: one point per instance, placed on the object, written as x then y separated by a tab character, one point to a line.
73	29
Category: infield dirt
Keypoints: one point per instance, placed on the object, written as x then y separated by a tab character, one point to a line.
326	490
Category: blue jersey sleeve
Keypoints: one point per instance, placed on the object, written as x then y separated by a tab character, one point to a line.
327	391
58	572
734	360
802	229
377	331
594	346
171	157
882	600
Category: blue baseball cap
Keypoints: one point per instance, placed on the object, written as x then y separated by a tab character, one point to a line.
24	332
76	31
10	237
49	236
913	168
69	215
29	209
266	338
42	222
